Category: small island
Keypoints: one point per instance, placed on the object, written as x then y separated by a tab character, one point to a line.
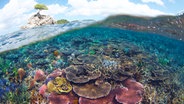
39	20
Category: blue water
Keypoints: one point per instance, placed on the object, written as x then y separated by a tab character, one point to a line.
167	52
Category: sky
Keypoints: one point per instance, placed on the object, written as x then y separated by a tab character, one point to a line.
15	13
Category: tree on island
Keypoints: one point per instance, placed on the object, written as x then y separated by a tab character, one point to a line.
62	21
40	7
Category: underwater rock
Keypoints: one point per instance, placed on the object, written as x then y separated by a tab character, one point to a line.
21	73
39	75
93	90
70	98
131	93
80	74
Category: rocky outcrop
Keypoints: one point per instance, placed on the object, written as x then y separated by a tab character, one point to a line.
38	20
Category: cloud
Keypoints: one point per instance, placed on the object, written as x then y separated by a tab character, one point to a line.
14	14
159	2
55	9
105	8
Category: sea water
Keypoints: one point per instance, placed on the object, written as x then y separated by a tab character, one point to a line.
166	51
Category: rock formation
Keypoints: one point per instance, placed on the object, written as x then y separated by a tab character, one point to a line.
38	20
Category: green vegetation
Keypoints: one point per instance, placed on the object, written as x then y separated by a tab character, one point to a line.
40	7
62	21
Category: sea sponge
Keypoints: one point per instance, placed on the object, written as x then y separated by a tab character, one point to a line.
93	90
81	74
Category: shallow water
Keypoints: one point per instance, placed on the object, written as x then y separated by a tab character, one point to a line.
161	53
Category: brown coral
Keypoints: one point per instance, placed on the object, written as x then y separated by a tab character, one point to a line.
81	74
93	90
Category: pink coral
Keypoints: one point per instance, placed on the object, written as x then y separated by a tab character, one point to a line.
42	90
39	75
109	99
131	93
57	73
63	98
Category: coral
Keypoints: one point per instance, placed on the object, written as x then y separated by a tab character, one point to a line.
31	84
131	94
56	53
81	74
21	73
43	89
63	98
39	75
36	98
109	99
59	85
120	75
56	73
93	90
88	59
51	87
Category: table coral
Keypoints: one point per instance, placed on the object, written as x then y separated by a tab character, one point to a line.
93	90
81	74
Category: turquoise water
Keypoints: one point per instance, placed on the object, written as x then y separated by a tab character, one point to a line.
160	53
